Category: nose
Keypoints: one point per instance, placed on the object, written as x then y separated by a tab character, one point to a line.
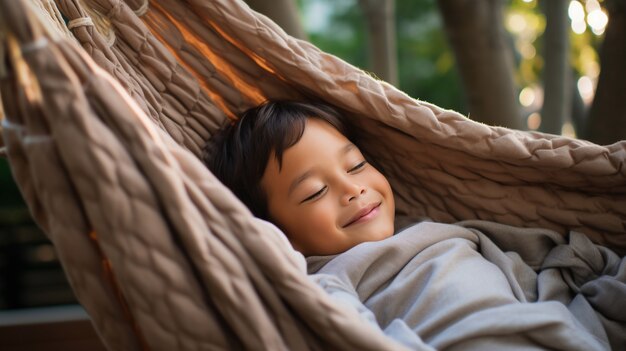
352	191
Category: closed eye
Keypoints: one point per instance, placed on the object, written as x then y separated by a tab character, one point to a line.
315	196
357	167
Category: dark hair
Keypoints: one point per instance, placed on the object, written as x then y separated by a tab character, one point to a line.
239	153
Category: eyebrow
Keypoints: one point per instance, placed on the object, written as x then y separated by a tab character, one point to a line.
344	150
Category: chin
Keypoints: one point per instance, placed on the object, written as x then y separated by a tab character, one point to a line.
389	233
383	233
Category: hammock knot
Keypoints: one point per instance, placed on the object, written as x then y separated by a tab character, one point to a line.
115	10
143	8
78	22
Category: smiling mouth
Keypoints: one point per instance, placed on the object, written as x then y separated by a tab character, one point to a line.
364	214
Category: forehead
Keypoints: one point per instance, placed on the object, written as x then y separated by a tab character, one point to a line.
320	143
319	138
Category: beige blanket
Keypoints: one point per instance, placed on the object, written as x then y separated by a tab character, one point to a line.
484	286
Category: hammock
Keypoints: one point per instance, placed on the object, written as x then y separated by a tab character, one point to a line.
105	143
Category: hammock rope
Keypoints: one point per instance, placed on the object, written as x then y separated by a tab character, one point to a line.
50	16
77	22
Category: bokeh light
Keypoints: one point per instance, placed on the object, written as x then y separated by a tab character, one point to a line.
591	69
592	5
527	96
568	130
527	50
586	89
576	13
516	23
597	20
534	121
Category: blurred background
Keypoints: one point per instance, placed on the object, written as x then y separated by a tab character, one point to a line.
555	66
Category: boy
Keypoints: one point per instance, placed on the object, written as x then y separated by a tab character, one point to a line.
432	285
292	164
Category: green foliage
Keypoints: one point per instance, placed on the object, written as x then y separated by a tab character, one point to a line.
425	64
529	45
344	36
525	24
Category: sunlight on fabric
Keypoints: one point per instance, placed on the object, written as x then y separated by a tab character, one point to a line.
215	97
221	64
259	61
110	277
27	80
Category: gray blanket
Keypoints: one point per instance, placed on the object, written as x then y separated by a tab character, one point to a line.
483	286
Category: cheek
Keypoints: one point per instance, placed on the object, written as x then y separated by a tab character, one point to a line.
384	188
314	216
321	214
298	221
380	184
388	192
278	213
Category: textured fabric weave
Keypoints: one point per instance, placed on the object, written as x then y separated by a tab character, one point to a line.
105	140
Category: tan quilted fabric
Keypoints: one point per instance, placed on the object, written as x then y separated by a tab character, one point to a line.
174	261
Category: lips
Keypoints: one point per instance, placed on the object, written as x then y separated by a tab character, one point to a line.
363	214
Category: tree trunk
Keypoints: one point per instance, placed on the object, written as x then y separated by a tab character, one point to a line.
557	74
579	110
485	59
607	117
283	12
380	21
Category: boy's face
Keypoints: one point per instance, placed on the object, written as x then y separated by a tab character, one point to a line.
326	197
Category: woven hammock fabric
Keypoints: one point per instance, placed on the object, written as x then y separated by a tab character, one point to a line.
441	164
177	278
105	143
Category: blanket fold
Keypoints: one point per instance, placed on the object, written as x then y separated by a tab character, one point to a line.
482	285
